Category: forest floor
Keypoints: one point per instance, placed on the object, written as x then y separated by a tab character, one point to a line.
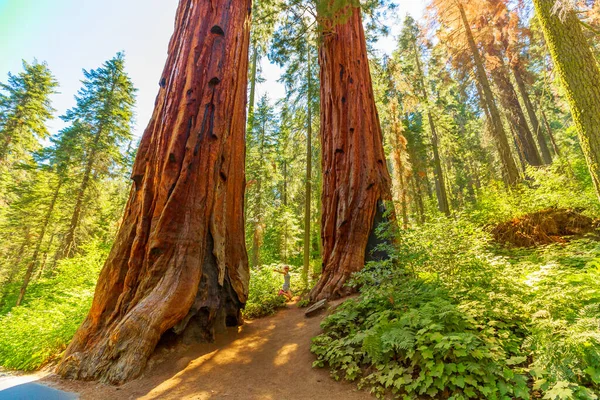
267	358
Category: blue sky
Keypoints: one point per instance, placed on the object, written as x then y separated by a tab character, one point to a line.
74	34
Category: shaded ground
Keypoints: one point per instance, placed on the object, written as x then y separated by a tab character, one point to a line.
265	359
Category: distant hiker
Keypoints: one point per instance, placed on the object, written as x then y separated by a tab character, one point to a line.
285	290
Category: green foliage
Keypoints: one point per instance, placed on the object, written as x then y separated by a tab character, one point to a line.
264	288
451	315
547	187
38	331
24	109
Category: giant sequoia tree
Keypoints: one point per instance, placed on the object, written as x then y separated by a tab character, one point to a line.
179	262
355	175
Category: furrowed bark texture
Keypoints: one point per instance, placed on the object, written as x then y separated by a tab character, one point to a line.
355	175
179	263
578	70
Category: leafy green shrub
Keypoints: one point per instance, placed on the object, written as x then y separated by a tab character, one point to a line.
519	322
546	187
417	342
263	299
39	330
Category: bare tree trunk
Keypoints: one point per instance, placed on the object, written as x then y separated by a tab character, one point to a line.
258	207
535	123
38	244
550	134
355	175
440	181
308	190
179	262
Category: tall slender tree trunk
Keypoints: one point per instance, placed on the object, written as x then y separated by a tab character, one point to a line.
555	147
15	267
38	243
69	241
252	98
45	257
418	198
580	75
258	207
440	181
535	123
516	117
308	187
179	262
400	171
355	176
509	168
251	101
519	147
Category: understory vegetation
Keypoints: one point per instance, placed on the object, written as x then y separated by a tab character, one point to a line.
452	314
264	288
472	124
39	331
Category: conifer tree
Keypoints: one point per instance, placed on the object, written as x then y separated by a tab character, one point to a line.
260	142
24	109
103	116
412	73
356	181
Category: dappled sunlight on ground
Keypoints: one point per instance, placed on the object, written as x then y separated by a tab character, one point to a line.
285	354
266	359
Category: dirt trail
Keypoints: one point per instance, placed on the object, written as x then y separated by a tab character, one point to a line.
265	359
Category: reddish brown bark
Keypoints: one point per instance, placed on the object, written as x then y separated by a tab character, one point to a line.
355	175
179	263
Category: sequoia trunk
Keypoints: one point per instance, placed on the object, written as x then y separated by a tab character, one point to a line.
179	262
579	72
355	175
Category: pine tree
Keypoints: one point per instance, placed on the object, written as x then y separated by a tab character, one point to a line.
25	107
294	48
261	142
103	116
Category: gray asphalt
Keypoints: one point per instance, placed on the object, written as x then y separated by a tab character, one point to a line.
35	391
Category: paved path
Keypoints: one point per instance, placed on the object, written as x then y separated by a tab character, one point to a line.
25	387
35	391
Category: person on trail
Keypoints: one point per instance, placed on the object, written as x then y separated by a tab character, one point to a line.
285	290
